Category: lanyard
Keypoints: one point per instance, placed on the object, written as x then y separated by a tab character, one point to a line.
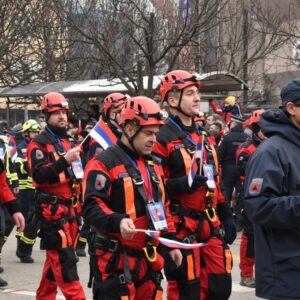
56	138
148	188
179	128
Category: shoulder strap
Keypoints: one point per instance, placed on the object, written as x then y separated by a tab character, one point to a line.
179	134
136	177
45	138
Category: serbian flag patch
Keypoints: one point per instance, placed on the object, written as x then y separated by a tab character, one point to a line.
103	135
256	186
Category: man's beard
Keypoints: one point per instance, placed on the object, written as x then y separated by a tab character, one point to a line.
60	131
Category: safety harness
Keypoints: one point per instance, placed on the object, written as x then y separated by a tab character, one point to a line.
174	132
113	245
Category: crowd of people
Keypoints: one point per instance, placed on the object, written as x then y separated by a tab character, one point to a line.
152	188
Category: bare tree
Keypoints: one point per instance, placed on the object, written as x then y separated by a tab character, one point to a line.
133	38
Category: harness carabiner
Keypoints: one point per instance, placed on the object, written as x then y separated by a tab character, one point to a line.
153	257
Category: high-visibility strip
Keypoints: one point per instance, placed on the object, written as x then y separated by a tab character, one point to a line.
129	197
186	159
82	239
190	267
228	260
76	240
162	188
62	176
158	295
64	242
19	234
27	240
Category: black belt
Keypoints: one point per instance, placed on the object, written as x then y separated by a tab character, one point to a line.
110	244
177	209
52	199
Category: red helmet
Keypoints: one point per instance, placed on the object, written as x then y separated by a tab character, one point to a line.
53	102
113	100
143	111
255	117
177	81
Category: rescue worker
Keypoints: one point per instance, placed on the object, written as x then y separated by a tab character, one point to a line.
8	199
112	107
228	108
13	182
50	157
193	208
124	192
26	239
272	199
230	179
243	154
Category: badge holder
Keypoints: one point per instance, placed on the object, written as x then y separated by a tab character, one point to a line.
77	169
157	214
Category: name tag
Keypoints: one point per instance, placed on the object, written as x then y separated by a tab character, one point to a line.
157	214
208	171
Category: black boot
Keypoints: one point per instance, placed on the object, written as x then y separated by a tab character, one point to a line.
27	259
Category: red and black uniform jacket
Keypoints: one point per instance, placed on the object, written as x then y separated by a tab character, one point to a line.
7	197
110	195
48	167
176	160
243	154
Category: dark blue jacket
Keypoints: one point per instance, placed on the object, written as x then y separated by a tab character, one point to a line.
272	201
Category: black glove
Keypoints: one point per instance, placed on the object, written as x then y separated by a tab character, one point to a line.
210	100
180	185
225	216
230	230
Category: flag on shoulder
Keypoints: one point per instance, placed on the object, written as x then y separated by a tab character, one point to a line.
103	135
12	148
197	155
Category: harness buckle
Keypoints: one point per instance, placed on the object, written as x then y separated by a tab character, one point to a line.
188	239
122	279
52	199
138	181
113	245
174	209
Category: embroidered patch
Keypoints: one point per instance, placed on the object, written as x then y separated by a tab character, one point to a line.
100	182
39	154
256	186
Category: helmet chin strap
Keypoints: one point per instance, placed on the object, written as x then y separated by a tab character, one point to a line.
130	139
178	107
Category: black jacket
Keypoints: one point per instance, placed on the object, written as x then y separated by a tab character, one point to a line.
228	146
272	201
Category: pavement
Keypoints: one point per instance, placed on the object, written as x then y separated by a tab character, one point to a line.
23	279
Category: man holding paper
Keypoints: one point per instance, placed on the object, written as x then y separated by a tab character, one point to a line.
54	167
196	203
126	206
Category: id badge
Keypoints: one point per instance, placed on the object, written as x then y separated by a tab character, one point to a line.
77	169
208	171
157	215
